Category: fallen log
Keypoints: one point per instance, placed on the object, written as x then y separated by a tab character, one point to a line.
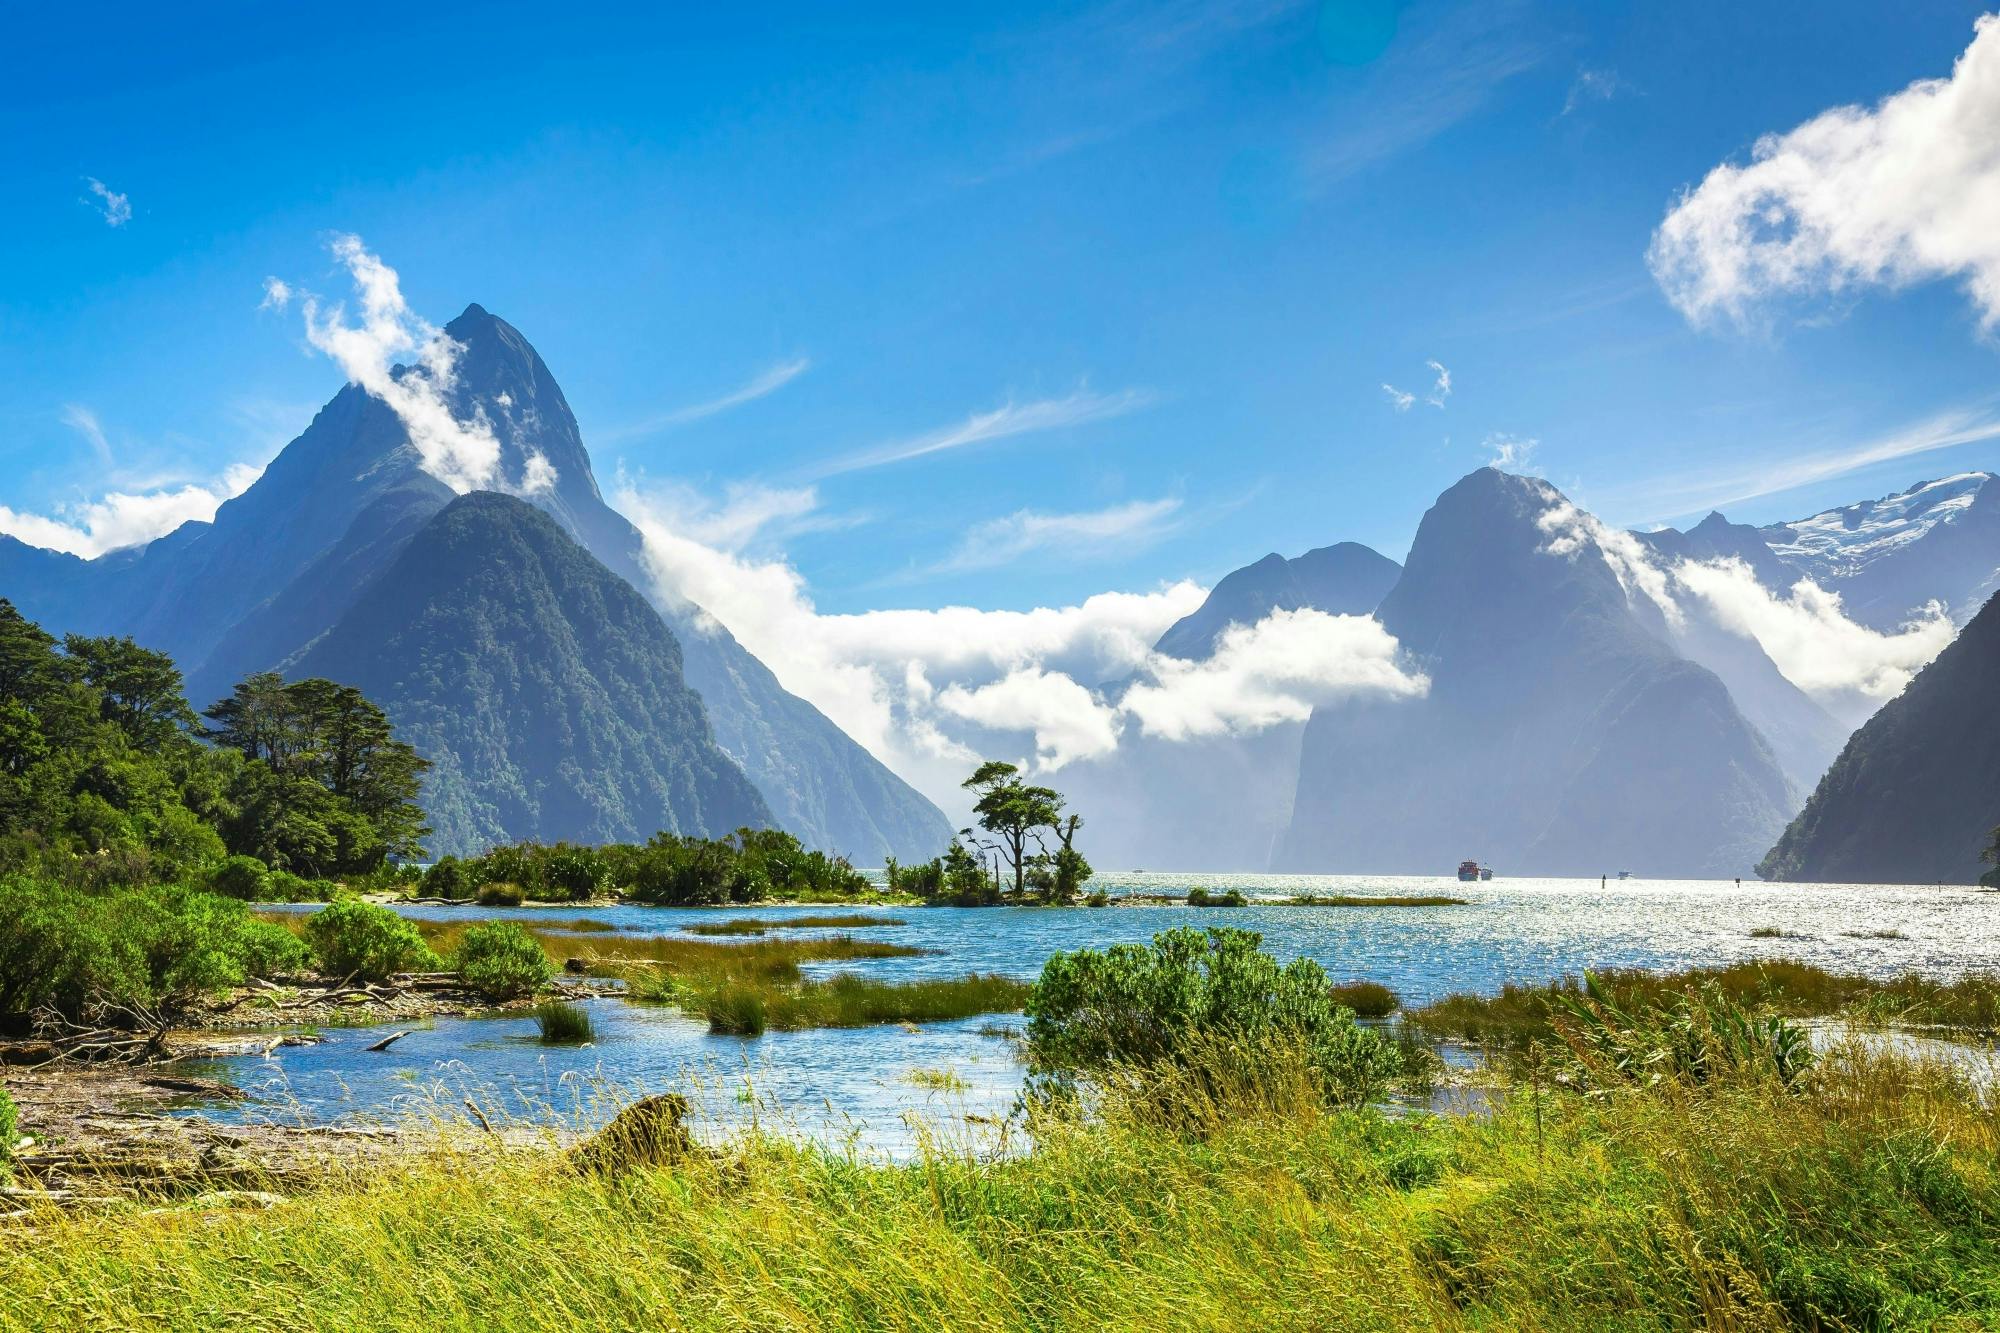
389	1041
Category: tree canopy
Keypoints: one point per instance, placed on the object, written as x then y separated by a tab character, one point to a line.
107	775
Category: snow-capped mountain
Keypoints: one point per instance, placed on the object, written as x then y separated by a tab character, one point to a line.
1937	541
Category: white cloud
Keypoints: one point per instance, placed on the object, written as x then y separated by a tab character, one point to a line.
926	691
277	294
1076	409
115	207
1511	451
765	382
120	519
464	455
1906	192
1269	673
1398	399
1591	85
1120	528
1441	387
1848	667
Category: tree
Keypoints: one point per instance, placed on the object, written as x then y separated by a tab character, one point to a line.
1066	868
1012	812
140	689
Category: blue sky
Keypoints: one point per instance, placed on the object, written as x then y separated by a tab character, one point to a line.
1164	257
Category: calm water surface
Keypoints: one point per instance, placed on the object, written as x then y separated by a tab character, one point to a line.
874	1086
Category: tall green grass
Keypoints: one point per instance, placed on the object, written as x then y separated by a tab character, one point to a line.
1867	1196
750	925
742	1007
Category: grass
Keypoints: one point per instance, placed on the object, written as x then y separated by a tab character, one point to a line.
1520	1015
762	925
562	1024
646	960
1868	1198
1368	999
1368	900
746	1007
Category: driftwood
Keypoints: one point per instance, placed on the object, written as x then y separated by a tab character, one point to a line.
389	1040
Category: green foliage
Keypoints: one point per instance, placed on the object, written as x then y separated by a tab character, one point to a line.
744	1006
1139	1006
105	781
562	1024
10	1130
1702	1038
1012	812
240	877
451	879
365	942
502	961
1200	897
74	950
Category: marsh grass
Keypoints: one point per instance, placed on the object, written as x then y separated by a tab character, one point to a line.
1520	1016
645	960
746	1006
1368	999
1866	1197
763	925
562	1024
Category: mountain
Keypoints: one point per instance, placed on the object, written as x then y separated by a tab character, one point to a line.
280	564
1562	735
1802	733
546	692
1344	579
1219	803
1938	541
1914	797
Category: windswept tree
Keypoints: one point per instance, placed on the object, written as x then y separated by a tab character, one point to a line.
1029	832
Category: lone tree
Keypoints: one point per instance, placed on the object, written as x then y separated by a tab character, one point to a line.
1016	815
1011	811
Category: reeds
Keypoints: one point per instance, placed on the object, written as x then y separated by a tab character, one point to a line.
1867	1196
746	1007
751	925
562	1024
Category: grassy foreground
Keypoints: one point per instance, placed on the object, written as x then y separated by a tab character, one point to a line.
1867	1197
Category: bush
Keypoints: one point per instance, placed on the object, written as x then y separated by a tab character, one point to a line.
1203	898
449	879
365	942
1135	1005
501	894
502	961
240	877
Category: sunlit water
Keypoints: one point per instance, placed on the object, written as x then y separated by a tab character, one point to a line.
876	1086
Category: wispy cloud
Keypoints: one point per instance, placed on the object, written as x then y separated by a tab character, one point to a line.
85	423
1123	527
1441	387
1591	85
1511	452
1423	89
1673	496
767	381
1905	192
1079	408
115	208
1398	399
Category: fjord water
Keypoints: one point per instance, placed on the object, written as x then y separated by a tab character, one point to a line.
875	1086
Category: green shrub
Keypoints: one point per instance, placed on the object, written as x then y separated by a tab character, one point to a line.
562	1024
1135	1005
10	1129
1097	898
240	877
450	879
1199	897
1368	999
501	961
501	894
365	942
